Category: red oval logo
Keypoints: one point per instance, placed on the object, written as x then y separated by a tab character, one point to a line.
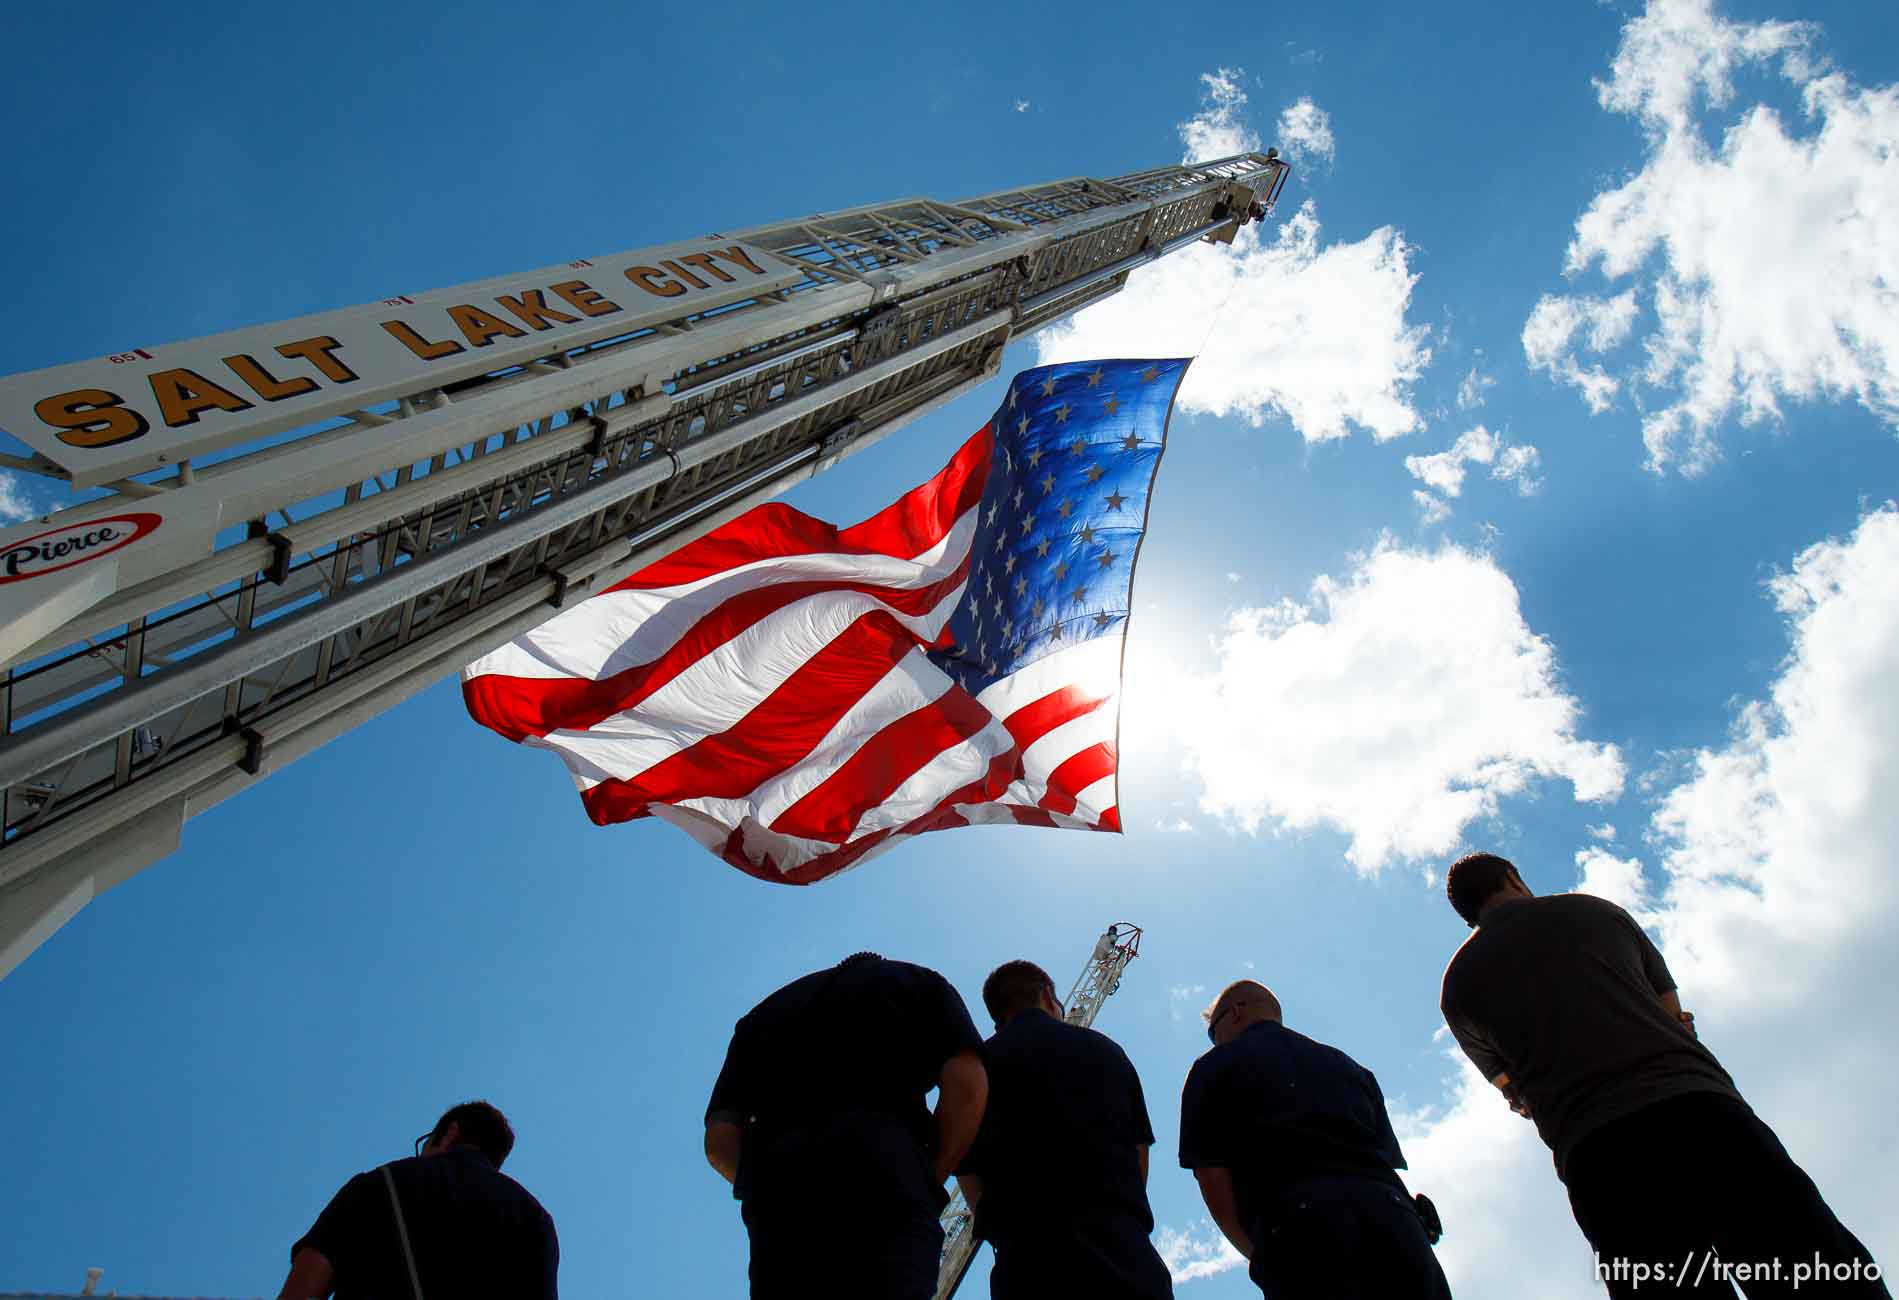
61	548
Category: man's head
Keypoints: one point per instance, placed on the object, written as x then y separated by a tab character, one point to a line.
1477	880
475	1124
1241	1005
1018	986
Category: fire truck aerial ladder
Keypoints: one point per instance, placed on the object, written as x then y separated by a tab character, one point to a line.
1118	945
305	523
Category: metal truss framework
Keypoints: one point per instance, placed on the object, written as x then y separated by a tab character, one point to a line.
1117	946
398	543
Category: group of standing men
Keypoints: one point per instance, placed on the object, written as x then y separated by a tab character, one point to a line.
819	1120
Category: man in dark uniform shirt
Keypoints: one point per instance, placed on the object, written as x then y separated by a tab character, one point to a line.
472	1229
1058	1173
818	1121
1295	1157
1566	1006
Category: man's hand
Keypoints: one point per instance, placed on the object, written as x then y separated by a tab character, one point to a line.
1216	1189
1671	1003
962	1096
970	1185
1509	1091
723	1143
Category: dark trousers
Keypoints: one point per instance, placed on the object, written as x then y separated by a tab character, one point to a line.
1102	1258
1344	1239
846	1210
1695	1195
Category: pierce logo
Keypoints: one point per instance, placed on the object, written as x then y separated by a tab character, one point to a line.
61	548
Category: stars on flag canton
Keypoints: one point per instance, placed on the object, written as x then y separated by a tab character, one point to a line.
1074	450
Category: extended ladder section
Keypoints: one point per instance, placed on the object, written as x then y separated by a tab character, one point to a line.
1118	945
305	524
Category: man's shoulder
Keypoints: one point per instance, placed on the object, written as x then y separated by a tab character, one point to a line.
909	975
1532	919
1468	953
884	977
1084	1040
780	1001
1593	906
1209	1065
1529	922
1292	1041
529	1200
365	1183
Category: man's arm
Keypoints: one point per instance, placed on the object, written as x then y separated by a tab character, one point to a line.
1482	1054
550	1260
970	1185
1140	1154
724	1140
730	1105
963	1093
311	1277
1216	1189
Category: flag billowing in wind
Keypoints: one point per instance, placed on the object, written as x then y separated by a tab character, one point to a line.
798	696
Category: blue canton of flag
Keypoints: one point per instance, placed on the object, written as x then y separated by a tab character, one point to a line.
1076	447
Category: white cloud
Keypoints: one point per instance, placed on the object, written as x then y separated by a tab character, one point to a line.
1218	130
1605	832
1518	464
1470	392
1554	322
1021	105
1185	999
1442	473
1399	706
1779	848
1507	1225
1312	332
1432	509
1196	1252
1775	904
1178	826
1620	880
16	503
1770	253
1305	130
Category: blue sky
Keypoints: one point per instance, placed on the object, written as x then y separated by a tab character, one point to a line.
1334	686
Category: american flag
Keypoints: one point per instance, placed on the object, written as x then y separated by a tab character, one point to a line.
798	697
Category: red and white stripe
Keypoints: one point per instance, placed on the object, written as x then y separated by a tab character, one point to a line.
765	689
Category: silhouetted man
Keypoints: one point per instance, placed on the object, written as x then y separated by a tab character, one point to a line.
1295	1157
818	1121
1566	1006
1058	1173
470	1229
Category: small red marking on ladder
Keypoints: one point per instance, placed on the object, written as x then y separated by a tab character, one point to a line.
143	353
580	262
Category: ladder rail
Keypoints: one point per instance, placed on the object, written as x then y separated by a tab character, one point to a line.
414	537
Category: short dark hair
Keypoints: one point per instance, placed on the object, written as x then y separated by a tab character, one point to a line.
1014	986
1473	879
482	1126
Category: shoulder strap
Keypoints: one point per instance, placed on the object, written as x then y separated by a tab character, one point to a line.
402	1231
